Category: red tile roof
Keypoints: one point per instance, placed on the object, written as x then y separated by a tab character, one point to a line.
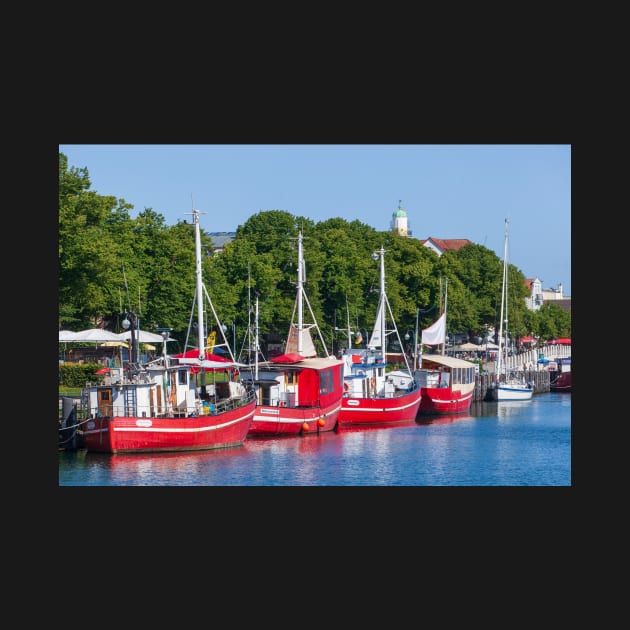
446	244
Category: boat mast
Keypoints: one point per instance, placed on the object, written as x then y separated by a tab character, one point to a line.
444	312
415	343
256	341
381	305
348	325
503	301
300	293
201	342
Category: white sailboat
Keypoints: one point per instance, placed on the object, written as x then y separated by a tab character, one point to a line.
509	386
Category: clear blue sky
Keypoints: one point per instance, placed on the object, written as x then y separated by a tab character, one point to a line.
448	191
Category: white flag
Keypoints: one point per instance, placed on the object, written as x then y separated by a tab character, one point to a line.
435	334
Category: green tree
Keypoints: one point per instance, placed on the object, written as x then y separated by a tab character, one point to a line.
110	262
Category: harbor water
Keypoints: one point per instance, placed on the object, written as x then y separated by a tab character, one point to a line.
520	443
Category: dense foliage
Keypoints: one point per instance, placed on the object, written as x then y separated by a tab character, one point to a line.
110	263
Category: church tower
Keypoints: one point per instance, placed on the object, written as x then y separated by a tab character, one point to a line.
399	221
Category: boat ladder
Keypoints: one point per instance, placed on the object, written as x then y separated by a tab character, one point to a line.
130	401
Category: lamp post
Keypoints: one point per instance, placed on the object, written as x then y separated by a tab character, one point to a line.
407	338
131	323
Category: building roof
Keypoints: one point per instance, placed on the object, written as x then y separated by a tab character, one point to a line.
446	244
220	239
564	303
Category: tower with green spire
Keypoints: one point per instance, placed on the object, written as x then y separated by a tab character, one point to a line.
399	221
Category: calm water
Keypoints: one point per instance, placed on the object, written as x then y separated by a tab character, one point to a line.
499	444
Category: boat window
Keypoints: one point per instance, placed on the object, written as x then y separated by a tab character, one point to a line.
181	379
326	384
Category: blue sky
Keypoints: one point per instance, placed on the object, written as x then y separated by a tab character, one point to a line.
448	191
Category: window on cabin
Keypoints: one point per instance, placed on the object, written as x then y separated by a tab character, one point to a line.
326	382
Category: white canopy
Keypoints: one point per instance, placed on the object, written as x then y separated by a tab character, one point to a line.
470	347
67	335
95	334
143	336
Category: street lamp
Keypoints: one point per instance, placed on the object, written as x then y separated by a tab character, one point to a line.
130	323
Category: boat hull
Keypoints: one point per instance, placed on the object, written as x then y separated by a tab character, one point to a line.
508	392
130	434
562	383
272	421
357	410
444	400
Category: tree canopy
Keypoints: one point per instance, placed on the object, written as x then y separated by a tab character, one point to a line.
110	262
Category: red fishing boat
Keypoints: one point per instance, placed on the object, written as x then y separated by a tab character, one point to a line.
372	395
298	392
159	407
447	384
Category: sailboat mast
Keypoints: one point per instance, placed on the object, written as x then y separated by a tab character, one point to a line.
300	294
348	324
416	365
503	304
444	312
201	342
382	303
256	341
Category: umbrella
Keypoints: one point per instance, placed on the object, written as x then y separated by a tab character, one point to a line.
469	347
115	344
67	335
104	370
143	336
527	339
96	334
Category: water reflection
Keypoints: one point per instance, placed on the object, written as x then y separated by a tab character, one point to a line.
443	419
507	443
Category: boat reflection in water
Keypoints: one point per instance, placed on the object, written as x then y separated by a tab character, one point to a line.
498	444
376	426
139	469
443	419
